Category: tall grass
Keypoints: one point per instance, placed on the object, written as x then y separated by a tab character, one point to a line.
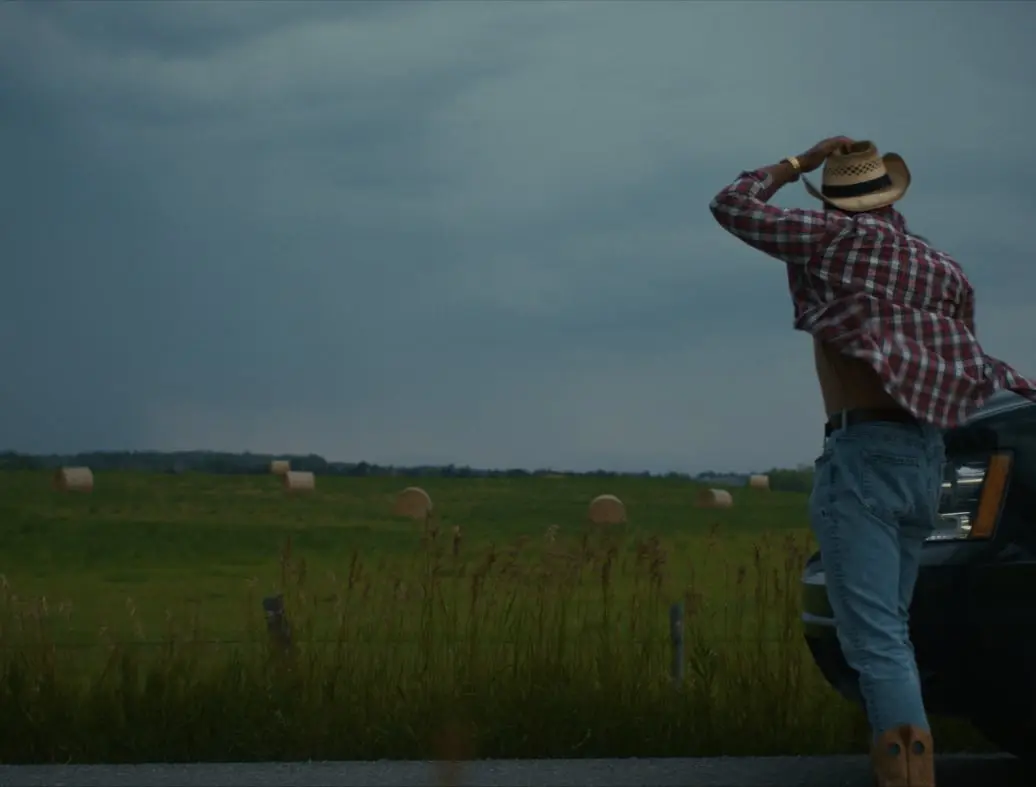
545	647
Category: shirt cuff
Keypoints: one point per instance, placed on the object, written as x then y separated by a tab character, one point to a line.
759	184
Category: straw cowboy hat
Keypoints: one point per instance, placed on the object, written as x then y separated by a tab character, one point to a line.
856	178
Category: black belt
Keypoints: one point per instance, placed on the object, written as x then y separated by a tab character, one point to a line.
862	415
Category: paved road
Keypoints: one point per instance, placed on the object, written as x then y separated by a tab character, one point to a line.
954	771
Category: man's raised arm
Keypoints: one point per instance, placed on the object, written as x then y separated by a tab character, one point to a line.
789	235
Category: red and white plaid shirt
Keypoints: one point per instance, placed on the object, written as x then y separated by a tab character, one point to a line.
873	291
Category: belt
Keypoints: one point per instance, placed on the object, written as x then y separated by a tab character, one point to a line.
864	415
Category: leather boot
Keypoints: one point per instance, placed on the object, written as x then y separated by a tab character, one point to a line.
889	759
920	757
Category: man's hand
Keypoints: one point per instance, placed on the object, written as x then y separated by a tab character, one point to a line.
817	155
785	173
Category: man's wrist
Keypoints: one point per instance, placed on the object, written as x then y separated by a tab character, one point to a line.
782	172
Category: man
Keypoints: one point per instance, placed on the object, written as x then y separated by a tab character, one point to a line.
893	326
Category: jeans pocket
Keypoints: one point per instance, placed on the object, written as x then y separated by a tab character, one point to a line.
891	483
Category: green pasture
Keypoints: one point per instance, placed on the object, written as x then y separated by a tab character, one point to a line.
203	546
131	627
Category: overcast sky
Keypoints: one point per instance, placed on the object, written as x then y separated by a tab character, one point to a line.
471	232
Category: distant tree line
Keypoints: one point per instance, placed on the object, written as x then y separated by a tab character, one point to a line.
227	463
798	480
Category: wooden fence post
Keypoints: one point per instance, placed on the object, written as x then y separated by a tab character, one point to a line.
277	625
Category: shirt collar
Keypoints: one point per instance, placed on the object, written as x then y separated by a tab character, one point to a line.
892	216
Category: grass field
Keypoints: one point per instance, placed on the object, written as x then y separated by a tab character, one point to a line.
131	625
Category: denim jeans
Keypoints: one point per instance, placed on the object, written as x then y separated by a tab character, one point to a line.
875	500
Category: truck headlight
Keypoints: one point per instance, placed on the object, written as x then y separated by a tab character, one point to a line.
973	492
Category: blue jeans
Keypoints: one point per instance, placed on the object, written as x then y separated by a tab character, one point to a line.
875	500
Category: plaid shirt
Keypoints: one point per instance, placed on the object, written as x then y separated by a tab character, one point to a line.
873	291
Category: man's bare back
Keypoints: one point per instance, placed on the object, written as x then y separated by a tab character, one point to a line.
848	383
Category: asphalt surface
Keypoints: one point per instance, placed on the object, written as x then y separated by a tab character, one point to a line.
953	771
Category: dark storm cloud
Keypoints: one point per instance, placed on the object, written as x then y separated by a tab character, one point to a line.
470	232
191	28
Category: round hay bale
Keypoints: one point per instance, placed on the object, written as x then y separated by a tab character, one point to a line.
607	510
299	481
280	467
715	498
74	479
413	502
759	482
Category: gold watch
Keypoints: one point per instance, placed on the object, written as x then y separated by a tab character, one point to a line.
795	165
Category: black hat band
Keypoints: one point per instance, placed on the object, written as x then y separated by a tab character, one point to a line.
857	189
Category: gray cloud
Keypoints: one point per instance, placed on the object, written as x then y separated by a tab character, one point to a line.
470	232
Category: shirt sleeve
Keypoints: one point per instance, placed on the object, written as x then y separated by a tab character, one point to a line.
793	236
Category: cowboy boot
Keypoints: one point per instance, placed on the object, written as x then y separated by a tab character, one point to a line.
920	757
889	759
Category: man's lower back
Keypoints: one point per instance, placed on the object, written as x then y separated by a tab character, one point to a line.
848	383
